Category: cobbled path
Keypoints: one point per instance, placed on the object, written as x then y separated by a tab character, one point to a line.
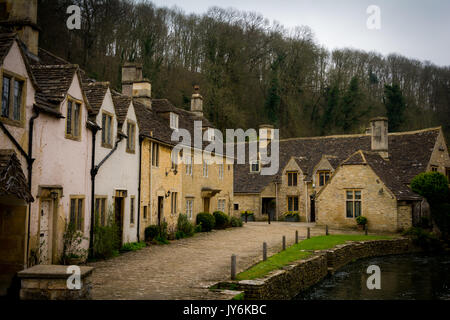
185	268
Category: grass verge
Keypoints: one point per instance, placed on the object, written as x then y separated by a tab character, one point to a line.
295	252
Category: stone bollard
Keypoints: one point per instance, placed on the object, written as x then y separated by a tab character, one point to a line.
284	243
326	230
308	233
264	251
233	267
296	236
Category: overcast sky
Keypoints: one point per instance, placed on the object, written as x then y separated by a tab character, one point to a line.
413	28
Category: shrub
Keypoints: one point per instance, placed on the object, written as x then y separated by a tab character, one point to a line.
362	221
431	185
72	240
151	232
222	220
106	237
198	228
423	238
206	220
235	222
157	233
185	228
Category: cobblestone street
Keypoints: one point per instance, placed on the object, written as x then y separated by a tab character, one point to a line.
185	268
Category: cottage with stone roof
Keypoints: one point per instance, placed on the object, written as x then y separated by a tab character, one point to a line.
338	163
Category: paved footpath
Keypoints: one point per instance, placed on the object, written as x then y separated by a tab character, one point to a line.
185	268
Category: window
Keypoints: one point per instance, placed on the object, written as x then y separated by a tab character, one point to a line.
292	203
205	168
324	176
77	212
73	119
221	171
189	207
292	179
106	130
434	168
131	134
155	154
173	121
189	163
254	166
173	202
145	212
132	198
353	203
221	205
236	206
12	90
100	210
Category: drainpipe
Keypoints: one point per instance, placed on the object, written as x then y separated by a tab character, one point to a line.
139	191
94	171
30	161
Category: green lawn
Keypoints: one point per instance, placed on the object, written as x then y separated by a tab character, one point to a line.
294	253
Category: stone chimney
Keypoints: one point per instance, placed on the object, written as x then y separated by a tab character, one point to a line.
133	85
379	136
269	135
197	102
21	16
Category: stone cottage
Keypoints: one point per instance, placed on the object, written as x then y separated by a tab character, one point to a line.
315	171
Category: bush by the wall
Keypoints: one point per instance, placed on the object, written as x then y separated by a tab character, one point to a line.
235	222
151	232
157	233
206	220
222	220
106	237
185	228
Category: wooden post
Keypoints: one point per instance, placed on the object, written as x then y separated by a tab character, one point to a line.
264	251
308	234
284	243
296	236
326	230
233	267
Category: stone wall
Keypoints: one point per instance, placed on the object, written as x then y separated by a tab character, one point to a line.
287	283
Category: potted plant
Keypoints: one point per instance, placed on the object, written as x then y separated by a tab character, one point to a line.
361	222
292	216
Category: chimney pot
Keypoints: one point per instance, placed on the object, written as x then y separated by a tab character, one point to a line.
197	102
133	85
379	136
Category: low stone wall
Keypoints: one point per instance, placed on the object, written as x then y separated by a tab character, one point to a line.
285	284
49	282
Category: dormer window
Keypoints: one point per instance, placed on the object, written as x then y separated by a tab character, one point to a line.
106	130
173	121
254	166
11	90
324	176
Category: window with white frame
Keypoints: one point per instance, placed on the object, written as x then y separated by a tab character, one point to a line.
205	168
173	208
173	121
189	207
189	163
221	205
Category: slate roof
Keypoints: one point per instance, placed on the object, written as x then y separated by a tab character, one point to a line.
12	180
409	154
121	105
6	41
54	80
95	93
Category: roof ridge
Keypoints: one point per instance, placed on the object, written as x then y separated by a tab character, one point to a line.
55	66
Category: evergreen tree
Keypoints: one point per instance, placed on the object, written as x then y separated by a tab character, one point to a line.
395	106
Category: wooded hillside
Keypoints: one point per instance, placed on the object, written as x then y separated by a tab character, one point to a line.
250	71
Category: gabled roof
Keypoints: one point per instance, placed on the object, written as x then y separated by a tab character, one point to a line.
121	105
409	153
6	42
54	80
95	93
12	180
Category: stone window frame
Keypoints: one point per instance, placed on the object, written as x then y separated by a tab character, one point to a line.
189	207
205	168
103	204
73	101
434	168
174	121
13	78
155	154
221	170
323	173
131	138
219	207
255	162
293	203
78	218
132	210
105	144
189	165
290	182
173	202
145	212
235	206
353	200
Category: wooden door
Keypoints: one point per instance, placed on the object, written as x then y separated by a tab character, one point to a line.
206	202
118	215
160	209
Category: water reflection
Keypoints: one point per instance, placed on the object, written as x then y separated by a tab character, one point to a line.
404	277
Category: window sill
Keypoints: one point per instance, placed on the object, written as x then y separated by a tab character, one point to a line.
130	151
106	146
14	123
78	139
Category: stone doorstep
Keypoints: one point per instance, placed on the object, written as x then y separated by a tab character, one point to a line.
52	271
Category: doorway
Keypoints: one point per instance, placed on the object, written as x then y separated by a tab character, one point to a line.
313	209
160	210
118	216
206	202
269	207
